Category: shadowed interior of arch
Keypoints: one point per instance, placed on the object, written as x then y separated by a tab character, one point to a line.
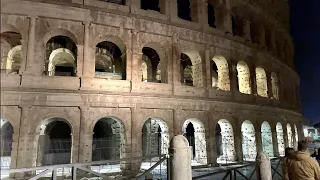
249	146
225	142
110	61
186	70
10	52
243	73
6	132
194	131
108	139
151	69
266	137
280	139
54	142
155	137
61	57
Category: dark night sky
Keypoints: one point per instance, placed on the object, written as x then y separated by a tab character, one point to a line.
305	30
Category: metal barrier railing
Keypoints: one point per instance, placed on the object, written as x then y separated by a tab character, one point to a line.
52	171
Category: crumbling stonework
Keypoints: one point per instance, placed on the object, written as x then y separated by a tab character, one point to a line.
147	72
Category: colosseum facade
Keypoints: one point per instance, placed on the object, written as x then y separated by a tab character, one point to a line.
90	80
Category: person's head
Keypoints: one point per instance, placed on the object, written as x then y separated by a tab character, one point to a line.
302	145
316	150
289	152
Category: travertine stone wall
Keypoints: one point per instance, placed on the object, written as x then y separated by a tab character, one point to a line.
30	98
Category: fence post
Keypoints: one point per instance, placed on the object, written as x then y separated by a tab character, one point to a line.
180	162
263	166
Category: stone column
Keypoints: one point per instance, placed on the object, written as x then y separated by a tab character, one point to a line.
85	152
269	85
275	144
264	166
212	154
135	4
259	141
208	66
238	144
88	55
176	75
233	77
203	12
253	80
31	62
227	24
180	162
173	10
262	37
136	58
247	31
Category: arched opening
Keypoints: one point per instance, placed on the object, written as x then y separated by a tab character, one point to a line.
290	135
194	131
275	86
110	61
266	137
225	142
6	132
244	82
151	70
10	52
220	73
61	57
211	15
237	25
249	146
155	138
184	10
186	70
296	136
150	5
261	78
55	142
280	139
108	139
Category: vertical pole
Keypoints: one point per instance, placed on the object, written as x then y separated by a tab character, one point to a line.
74	173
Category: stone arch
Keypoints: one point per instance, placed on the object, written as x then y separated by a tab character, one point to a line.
60	32
6	132
225	141
155	137
11	58
108	139
280	139
220	73
9	28
14	59
194	131
190	68
61	56
244	82
249	144
54	142
266	137
110	58
261	82
275	85
155	58
290	135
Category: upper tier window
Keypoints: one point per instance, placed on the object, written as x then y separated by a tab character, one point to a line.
122	2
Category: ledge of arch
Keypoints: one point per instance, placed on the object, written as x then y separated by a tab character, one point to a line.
263	100
50	82
181	90
151	87
219	94
10	80
104	5
105	85
149	13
